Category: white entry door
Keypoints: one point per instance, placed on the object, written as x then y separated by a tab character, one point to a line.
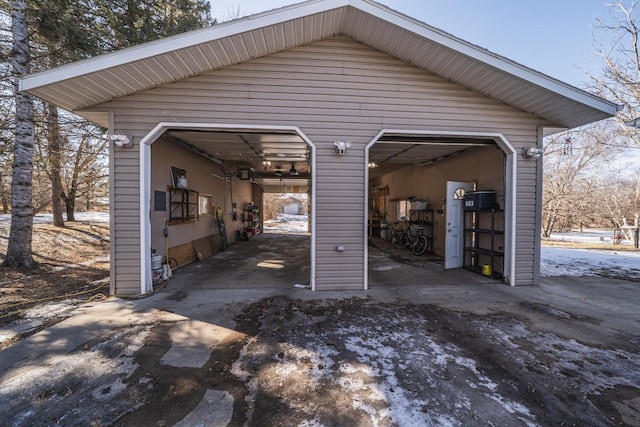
454	232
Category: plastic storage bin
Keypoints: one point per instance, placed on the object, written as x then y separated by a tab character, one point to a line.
479	200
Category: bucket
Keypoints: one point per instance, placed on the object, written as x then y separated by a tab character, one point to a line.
384	233
166	271
486	270
156	262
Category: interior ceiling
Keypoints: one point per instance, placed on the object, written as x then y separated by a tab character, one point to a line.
393	152
267	153
284	150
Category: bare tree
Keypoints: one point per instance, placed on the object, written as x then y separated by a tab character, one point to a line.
619	48
84	171
19	252
55	160
7	110
618	190
618	45
569	162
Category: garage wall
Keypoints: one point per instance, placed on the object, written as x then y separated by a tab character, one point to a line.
483	166
200	178
332	89
125	220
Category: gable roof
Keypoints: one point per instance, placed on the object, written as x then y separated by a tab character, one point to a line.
80	85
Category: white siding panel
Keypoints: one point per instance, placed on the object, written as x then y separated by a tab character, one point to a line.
331	89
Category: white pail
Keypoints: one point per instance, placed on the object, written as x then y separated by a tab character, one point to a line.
384	234
156	262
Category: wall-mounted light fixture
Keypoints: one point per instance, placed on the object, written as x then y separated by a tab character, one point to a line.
122	141
341	147
531	152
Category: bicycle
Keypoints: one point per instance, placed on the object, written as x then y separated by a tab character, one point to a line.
412	237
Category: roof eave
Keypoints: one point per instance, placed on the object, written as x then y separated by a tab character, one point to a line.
596	108
177	42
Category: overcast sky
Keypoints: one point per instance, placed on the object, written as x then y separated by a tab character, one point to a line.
551	36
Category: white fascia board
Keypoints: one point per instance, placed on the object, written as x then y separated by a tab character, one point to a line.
482	55
178	42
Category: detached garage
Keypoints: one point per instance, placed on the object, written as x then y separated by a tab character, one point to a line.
364	108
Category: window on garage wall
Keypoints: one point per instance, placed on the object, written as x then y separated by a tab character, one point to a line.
204	204
404	207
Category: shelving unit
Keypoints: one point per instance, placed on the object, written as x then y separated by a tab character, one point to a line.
251	220
183	206
483	242
424	218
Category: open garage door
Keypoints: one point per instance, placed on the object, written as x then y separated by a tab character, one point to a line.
206	185
407	190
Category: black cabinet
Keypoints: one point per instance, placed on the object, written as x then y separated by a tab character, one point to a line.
424	218
484	242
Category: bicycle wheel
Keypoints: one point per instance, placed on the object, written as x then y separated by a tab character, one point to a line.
420	244
399	239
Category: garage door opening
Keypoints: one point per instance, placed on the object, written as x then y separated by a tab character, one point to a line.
206	186
286	213
416	183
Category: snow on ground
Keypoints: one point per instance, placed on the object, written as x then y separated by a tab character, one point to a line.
5	219
558	261
592	236
286	223
589	262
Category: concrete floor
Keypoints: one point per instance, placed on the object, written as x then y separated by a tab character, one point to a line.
283	260
187	320
273	264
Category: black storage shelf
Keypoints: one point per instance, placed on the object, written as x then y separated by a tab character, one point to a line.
481	250
484	230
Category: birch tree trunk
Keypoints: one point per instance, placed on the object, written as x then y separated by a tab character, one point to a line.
19	247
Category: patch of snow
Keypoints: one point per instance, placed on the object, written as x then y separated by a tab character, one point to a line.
311	423
286	223
109	391
35	317
99	217
588	262
387	267
591	235
80	378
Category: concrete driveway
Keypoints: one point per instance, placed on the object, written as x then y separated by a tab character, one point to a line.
232	341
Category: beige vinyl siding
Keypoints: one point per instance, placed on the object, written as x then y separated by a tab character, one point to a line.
332	89
125	267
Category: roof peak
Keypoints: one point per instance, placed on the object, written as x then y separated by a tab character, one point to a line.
79	85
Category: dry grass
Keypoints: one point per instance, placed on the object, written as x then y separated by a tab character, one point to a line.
70	260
